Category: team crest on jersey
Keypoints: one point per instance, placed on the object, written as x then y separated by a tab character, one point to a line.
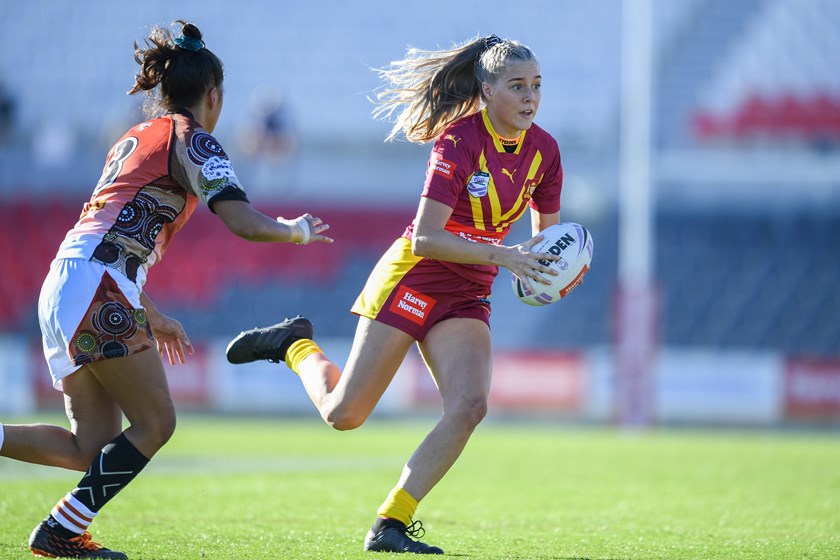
477	186
203	147
530	192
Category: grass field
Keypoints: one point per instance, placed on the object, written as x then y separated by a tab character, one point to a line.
228	488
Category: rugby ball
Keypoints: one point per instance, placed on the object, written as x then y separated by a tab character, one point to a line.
573	244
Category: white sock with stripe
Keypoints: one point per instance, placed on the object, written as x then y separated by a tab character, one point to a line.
72	514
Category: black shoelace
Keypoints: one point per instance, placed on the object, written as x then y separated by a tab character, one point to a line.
415	530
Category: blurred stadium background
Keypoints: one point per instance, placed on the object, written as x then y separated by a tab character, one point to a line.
745	168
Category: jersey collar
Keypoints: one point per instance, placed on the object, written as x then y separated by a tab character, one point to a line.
182	111
495	137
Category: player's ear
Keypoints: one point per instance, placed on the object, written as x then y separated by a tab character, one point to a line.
486	91
213	97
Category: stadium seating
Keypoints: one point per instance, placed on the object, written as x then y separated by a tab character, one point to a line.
729	74
343	53
785	118
201	262
778	81
749	281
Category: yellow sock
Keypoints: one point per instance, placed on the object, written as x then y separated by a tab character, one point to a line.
299	350
399	505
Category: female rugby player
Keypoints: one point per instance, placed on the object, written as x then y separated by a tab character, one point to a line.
490	164
100	328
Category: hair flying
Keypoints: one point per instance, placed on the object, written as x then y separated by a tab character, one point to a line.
429	90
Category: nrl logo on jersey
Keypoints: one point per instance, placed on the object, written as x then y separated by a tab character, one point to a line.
477	186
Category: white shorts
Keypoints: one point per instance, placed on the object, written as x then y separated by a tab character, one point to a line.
89	312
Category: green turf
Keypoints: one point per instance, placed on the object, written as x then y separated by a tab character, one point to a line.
272	488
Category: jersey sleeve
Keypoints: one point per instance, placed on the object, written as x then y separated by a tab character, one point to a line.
449	168
546	197
206	170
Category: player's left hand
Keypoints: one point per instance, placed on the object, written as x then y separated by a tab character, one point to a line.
526	265
171	338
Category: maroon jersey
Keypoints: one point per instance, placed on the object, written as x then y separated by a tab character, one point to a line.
488	188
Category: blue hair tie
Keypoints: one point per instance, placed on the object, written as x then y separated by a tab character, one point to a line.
189	43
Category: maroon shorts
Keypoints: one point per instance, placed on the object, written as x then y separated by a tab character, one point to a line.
413	294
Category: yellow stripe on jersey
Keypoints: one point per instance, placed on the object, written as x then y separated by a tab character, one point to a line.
514	214
535	165
496	142
495	205
501	221
475	201
394	264
519	208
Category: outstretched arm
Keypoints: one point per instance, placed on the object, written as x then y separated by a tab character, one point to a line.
244	221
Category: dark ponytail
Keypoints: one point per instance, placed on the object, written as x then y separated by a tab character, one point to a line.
175	72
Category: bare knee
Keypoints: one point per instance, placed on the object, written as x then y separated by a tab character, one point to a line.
81	462
343	418
468	413
164	428
153	432
88	448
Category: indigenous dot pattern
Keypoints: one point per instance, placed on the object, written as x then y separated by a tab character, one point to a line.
111	327
131	239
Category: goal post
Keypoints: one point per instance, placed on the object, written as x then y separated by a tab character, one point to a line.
636	307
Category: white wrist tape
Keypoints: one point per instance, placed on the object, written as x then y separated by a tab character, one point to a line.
302	225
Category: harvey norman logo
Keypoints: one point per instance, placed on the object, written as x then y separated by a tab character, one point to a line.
442	167
412	305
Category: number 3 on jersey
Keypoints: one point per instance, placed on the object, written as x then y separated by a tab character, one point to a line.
122	152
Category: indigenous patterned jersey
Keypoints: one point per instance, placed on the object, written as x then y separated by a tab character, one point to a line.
489	188
153	178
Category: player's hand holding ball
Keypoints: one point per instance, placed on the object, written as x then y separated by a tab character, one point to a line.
564	255
530	264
